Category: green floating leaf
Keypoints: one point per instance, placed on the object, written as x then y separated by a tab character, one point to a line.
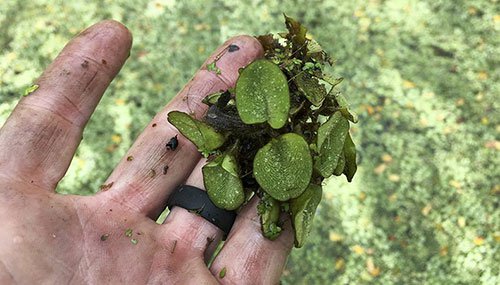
283	167
269	212
350	158
30	89
331	137
262	94
311	88
303	209
202	135
223	183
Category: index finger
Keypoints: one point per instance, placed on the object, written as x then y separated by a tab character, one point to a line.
40	137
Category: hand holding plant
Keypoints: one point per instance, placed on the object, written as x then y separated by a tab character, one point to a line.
278	134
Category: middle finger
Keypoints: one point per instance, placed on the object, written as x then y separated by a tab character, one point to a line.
149	172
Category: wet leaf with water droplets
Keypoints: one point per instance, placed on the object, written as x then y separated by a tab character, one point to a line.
339	169
262	94
223	183
331	137
202	135
303	209
283	167
350	158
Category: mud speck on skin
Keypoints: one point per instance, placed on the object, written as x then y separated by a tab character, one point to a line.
104	237
130	158
65	72
172	143
209	241
85	64
106	187
173	247
152	173
233	48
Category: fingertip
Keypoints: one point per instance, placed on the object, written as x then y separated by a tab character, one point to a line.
107	43
248	44
109	26
235	53
120	30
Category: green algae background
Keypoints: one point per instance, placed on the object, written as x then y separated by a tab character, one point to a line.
422	75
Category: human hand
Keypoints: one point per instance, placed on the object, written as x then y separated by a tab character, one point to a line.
112	237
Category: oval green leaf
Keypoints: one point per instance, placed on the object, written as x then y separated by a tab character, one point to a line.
206	138
350	158
303	209
331	137
262	94
223	183
283	167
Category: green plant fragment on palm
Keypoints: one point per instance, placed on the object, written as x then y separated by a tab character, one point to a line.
213	67
222	273
30	89
128	232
